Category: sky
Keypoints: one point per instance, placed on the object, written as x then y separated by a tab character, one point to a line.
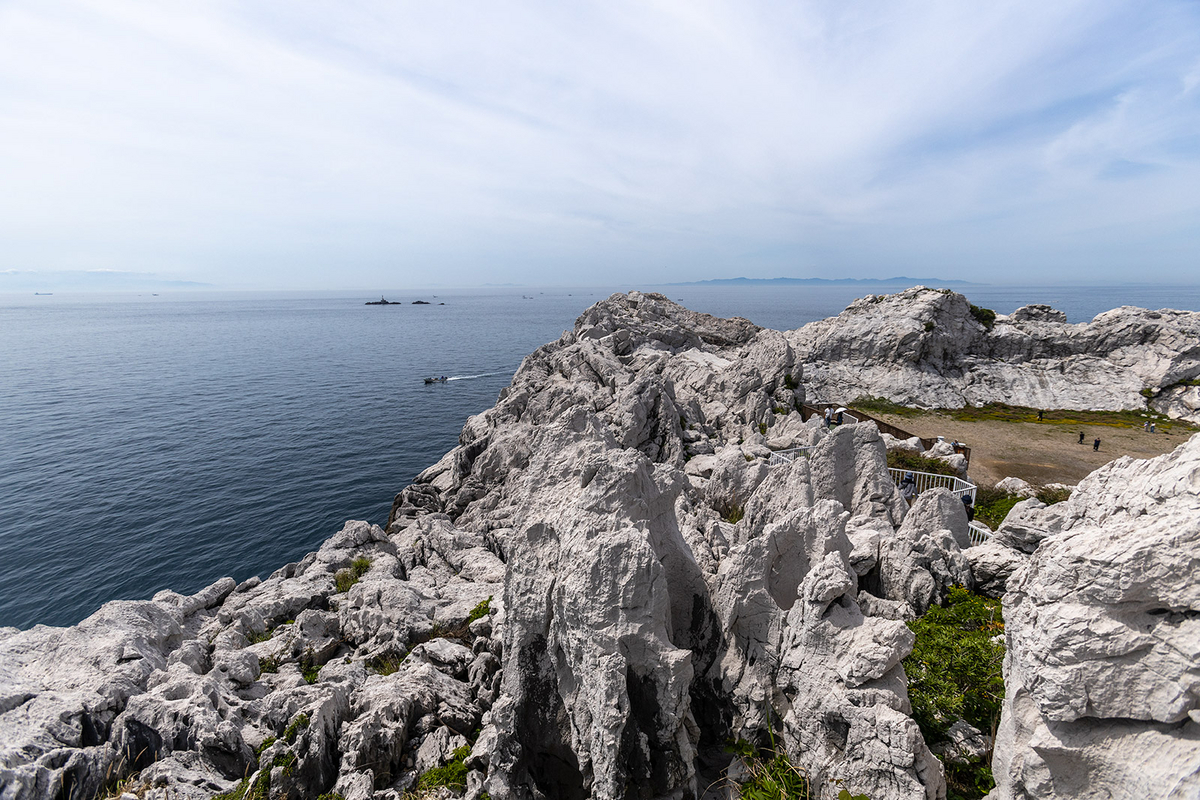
286	144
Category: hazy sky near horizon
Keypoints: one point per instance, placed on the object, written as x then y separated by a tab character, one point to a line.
293	144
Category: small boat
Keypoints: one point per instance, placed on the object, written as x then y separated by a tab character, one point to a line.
442	379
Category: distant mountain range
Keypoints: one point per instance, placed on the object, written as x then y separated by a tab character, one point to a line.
104	280
827	281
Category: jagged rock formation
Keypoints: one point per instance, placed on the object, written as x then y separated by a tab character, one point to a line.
659	586
924	347
1102	674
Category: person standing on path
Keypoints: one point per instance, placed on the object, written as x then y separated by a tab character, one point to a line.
1040	413
1096	445
1081	437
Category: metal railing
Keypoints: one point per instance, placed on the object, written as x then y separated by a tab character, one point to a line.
929	480
979	532
788	456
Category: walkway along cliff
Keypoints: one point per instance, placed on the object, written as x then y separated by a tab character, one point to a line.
606	581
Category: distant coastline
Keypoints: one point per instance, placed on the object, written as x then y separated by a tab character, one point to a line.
828	281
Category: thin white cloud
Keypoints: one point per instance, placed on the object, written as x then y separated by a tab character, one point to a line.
356	144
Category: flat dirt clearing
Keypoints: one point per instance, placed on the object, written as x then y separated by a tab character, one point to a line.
1040	452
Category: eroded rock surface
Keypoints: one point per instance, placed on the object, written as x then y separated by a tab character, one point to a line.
924	347
1103	667
660	584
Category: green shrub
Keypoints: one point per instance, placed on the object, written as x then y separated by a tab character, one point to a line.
1052	496
268	664
734	514
452	775
331	796
881	405
343	579
984	316
905	459
772	774
480	611
955	672
789	382
762	428
993	505
298	724
929	326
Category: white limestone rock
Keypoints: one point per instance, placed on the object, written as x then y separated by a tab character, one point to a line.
923	347
1012	485
1103	668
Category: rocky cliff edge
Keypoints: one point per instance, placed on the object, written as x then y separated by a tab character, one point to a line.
604	583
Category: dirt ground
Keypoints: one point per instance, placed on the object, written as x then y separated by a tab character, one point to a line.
1039	452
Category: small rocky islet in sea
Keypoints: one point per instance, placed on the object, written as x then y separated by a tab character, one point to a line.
648	572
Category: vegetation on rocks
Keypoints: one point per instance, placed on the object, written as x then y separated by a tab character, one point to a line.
1002	412
955	672
772	774
452	775
992	505
345	578
904	459
984	316
480	611
298	724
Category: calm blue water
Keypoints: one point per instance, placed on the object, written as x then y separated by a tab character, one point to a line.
163	442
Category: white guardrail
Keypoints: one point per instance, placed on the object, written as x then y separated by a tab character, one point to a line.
979	532
929	480
788	456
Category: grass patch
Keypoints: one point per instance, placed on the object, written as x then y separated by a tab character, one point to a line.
268	664
286	760
452	775
255	638
298	724
929	326
267	742
914	462
781	411
955	672
343	579
762	428
789	382
386	664
734	513
1002	412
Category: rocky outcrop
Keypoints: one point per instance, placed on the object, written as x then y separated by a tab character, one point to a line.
924	347
609	578
304	682
1102	672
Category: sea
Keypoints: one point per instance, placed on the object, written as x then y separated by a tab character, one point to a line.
163	441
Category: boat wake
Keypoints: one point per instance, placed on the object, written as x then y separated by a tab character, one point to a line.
480	375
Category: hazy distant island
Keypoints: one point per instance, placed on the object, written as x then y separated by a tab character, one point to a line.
657	565
898	281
